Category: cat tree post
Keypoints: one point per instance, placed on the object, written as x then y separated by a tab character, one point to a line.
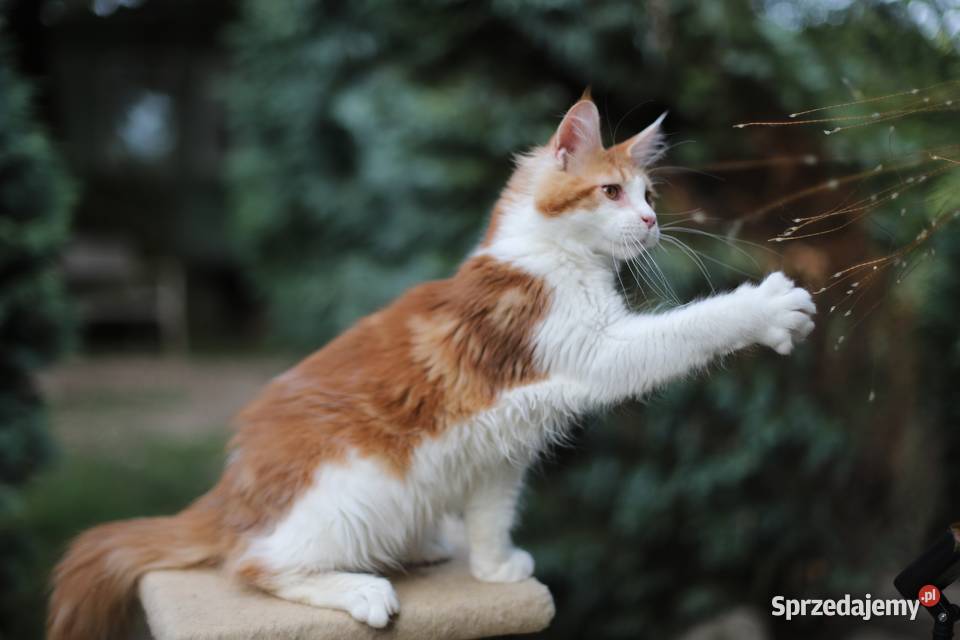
439	602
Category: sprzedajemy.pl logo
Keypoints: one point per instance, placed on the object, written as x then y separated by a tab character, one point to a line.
865	608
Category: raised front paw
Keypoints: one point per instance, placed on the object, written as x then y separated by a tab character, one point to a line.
785	312
517	566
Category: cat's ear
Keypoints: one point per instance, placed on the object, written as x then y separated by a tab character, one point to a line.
578	134
648	146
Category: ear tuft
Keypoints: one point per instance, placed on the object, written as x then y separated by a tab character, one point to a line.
578	134
649	145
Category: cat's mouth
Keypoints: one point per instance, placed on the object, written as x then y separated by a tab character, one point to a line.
648	239
634	242
634	246
652	238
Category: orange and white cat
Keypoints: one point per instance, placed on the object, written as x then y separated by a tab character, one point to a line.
344	467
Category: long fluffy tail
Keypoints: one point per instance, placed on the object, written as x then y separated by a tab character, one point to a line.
94	584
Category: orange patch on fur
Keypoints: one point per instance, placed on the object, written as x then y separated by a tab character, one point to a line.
559	199
563	191
252	574
94	584
433	358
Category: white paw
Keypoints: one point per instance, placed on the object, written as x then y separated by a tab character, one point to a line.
373	602
785	312
518	566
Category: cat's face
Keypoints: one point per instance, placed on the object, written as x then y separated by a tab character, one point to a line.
600	197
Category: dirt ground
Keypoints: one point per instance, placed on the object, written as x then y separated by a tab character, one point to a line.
99	403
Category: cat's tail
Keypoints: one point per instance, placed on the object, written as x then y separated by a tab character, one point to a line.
94	585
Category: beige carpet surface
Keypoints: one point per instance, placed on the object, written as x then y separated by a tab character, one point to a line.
441	602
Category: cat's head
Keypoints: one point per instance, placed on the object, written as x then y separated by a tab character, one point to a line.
589	197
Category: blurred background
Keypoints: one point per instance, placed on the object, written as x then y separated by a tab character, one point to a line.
194	195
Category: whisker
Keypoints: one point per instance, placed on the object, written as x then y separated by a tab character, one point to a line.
671	214
717	261
652	279
730	242
676	222
638	273
692	254
681	221
659	271
616	269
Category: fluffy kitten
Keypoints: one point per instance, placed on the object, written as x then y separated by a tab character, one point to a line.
343	468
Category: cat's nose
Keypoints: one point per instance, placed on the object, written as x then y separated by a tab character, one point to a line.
649	219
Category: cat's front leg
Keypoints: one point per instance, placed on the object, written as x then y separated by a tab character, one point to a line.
640	352
489	515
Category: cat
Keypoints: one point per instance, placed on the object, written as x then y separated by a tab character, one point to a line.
344	466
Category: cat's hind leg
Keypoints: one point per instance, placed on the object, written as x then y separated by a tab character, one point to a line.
367	598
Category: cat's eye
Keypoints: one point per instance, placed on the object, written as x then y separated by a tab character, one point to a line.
612	191
649	197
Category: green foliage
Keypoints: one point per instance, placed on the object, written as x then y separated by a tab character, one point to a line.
34	214
351	178
369	140
674	512
938	325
